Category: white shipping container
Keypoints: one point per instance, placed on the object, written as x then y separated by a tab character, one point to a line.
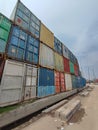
68	82
12	83
30	92
19	81
46	58
31	82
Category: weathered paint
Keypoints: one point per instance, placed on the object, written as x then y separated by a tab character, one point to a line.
68	82
44	91
45	82
46	57
46	36
60	82
59	64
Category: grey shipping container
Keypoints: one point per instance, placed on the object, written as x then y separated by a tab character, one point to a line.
23	17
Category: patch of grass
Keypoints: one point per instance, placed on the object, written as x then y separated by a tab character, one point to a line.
8	108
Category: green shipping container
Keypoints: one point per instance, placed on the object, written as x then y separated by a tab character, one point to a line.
71	67
5	26
5	23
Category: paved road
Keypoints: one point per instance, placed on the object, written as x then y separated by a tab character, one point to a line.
89	120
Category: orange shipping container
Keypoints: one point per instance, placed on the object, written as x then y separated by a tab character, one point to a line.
59	82
46	36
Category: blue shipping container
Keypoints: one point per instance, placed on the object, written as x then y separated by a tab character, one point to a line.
44	91
17	43
32	50
26	19
58	46
45	82
46	77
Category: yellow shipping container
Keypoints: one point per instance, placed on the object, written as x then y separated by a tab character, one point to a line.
59	65
46	36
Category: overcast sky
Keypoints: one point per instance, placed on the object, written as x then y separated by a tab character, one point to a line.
74	22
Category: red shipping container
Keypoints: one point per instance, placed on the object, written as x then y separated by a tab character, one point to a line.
59	82
66	65
76	68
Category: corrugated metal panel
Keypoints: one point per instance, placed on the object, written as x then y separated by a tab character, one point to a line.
30	82
23	17
17	43
76	69
65	51
66	65
45	82
46	36
44	91
68	82
46	77
60	82
46	58
74	81
71	67
59	64
5	26
32	50
57	82
12	82
58	46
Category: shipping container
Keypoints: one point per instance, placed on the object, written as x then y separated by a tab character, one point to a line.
11	87
46	57
74	82
59	64
32	50
46	36
45	82
17	43
59	82
66	65
65	51
23	17
68	82
30	82
76	69
71	67
5	26
58	46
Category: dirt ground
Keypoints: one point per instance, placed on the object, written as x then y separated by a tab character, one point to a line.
86	118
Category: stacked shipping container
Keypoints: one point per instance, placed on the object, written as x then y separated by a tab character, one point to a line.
40	65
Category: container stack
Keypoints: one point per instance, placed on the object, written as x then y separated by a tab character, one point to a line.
33	62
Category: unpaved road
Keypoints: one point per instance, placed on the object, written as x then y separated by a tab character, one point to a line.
85	119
